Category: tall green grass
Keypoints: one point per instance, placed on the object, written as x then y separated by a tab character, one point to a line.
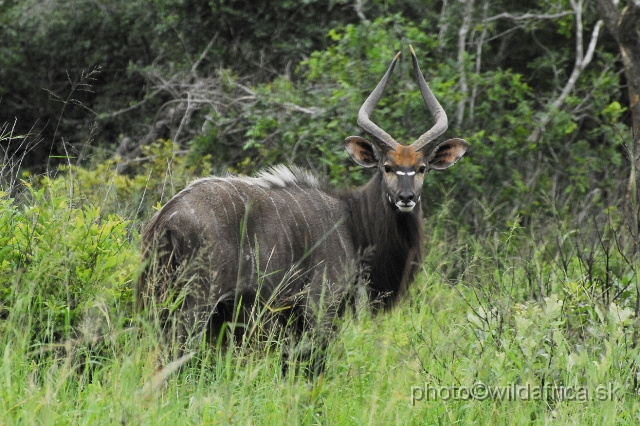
550	306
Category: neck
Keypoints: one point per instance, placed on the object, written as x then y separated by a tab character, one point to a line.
389	241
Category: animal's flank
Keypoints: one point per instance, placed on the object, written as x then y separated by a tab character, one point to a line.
227	249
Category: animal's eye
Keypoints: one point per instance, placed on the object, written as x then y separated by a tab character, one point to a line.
387	168
422	169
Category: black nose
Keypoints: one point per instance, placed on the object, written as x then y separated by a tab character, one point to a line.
406	196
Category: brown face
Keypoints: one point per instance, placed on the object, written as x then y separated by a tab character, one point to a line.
403	168
403	171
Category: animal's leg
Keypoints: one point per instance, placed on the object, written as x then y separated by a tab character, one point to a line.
318	311
190	312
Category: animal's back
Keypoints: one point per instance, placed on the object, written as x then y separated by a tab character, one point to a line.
235	235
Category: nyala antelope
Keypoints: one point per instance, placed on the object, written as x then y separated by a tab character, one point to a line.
225	248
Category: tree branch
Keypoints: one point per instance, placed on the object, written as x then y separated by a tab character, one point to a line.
581	62
525	16
442	24
204	53
462	41
132	107
357	6
483	34
628	23
609	13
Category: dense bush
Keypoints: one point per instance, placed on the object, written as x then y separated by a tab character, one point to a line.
59	259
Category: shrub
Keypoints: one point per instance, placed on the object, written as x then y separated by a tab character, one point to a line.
60	258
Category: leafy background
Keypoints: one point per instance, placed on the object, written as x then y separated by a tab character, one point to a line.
109	108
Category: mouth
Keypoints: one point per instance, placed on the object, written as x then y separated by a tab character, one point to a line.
405	207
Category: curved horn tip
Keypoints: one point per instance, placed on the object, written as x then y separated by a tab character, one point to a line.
397	56
413	52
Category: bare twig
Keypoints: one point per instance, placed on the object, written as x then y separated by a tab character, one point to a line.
310	111
357	6
529	16
195	66
130	108
581	62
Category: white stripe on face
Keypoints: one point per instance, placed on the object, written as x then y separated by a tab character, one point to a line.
405	173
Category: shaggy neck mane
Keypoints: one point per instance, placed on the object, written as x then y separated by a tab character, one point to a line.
389	241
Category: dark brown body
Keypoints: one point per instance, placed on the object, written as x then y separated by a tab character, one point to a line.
279	240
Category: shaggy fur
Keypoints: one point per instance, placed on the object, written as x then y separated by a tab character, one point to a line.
279	239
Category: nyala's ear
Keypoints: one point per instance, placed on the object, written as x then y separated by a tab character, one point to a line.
363	151
447	153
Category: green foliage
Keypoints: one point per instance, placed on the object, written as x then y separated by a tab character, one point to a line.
289	80
305	121
49	46
164	173
58	259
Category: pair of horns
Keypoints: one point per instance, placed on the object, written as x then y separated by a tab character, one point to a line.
432	103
